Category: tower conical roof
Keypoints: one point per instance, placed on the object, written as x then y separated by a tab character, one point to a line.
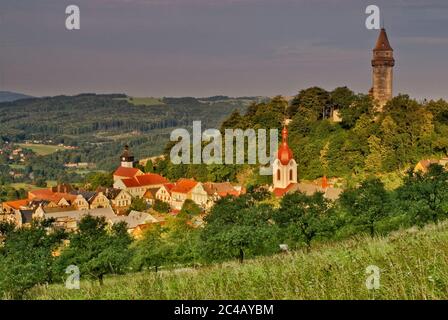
284	153
383	42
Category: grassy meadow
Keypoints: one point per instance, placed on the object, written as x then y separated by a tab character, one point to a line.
413	264
144	101
41	149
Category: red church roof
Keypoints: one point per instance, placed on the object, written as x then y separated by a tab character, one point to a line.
144	180
150	179
127	172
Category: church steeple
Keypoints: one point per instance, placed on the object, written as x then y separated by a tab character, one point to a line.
284	167
382	62
127	160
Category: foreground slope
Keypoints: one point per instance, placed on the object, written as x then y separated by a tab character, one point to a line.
413	263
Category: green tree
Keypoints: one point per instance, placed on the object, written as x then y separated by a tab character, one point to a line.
366	205
26	257
161	206
190	208
99	179
304	218
138	204
424	197
96	249
236	228
150	251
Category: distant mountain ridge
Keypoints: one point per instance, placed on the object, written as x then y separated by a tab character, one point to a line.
7	96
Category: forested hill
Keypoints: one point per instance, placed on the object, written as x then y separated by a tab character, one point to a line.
101	124
6	96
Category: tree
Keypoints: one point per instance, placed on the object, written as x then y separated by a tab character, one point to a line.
424	197
138	204
149	167
313	99
97	249
366	205
99	179
150	251
190	208
161	206
236	228
26	257
304	218
342	97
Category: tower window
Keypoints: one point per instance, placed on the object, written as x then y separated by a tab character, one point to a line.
278	175
290	174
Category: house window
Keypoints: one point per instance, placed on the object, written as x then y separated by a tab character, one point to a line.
278	175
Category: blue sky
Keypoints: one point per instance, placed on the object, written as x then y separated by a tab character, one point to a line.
211	47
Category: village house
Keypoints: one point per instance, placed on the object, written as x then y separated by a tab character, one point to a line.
11	207
164	192
181	192
120	200
423	165
138	185
150	195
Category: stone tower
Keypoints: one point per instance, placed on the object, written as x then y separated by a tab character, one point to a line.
382	63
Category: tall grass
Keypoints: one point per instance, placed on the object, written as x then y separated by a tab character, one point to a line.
413	264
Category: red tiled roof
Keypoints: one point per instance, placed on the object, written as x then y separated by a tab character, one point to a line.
17	204
127	172
184	185
131	183
279	192
169	187
150	179
47	194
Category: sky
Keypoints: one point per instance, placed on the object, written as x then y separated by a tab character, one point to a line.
218	47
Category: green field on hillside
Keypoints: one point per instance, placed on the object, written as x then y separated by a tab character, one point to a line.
144	101
413	265
41	149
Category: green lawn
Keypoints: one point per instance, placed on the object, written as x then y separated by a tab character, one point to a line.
413	265
41	149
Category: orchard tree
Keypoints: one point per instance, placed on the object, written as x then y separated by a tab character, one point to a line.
235	228
26	257
424	197
303	218
96	249
366	205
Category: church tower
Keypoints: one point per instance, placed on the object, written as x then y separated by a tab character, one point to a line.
382	63
284	167
127	160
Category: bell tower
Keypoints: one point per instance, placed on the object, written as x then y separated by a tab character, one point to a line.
127	160
383	62
284	167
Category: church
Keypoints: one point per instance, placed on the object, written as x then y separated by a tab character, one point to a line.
284	167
